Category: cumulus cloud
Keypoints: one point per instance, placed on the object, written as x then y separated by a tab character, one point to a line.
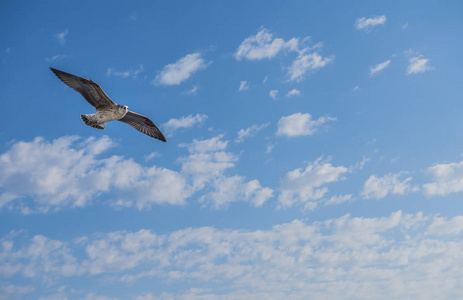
309	184
300	124
249	132
293	92
305	63
184	122
447	179
265	46
367	24
379	187
44	176
379	67
125	74
181	70
243	86
418	64
344	257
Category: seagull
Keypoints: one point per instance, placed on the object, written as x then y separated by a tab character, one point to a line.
106	109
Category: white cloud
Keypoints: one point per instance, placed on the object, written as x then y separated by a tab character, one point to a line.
341	258
273	94
68	173
243	86
418	64
379	67
379	187
444	226
405	26
305	63
339	199
249	132
181	70
184	122
366	24
61	36
192	91
300	124
55	57
447	179
264	46
125	74
42	176
308	185
356	88
293	92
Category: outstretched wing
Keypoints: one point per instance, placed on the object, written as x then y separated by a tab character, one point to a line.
91	91
143	124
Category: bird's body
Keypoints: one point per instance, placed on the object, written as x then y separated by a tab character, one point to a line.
107	110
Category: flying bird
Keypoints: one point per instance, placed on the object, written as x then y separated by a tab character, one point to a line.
106	109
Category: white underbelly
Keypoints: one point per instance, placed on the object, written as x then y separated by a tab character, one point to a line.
107	116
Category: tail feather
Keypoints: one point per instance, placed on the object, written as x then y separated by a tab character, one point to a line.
90	122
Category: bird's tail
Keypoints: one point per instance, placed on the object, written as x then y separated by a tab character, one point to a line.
89	120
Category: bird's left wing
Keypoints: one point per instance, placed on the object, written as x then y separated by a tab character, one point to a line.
143	124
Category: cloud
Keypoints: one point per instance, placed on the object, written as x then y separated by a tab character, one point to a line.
249	132
300	124
345	257
191	92
61	36
125	74
307	185
447	179
305	63
55	57
265	46
43	176
379	187
243	86
293	92
67	172
184	122
379	67
181	70
367	24
418	64
273	94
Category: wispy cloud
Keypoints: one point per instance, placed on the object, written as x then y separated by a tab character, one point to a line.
273	94
191	92
243	86
379	187
293	92
300	124
418	64
367	24
249	132
379	67
125	74
305	63
184	122
265	46
55	57
447	179
181	70
61	36
308	185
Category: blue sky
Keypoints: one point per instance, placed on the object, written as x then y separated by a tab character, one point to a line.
314	151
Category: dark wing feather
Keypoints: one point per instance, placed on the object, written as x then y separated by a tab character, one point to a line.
143	124
91	91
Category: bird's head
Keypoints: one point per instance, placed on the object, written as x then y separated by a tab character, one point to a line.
124	108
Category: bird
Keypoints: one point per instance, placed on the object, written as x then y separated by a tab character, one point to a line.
107	110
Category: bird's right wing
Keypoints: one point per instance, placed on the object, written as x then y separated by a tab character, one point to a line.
91	91
143	124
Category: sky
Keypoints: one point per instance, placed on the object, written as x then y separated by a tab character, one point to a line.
314	150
